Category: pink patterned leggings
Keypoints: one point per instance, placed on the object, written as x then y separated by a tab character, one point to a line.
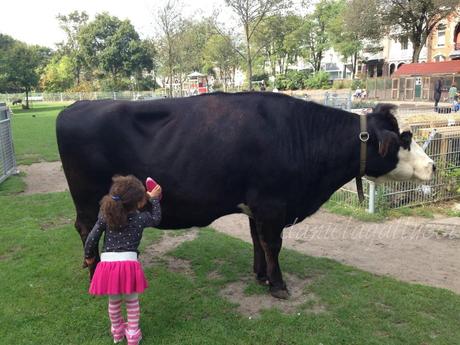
132	310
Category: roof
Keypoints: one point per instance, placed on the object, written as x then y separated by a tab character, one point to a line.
429	68
196	74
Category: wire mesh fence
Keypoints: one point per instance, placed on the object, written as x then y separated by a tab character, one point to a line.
7	158
440	139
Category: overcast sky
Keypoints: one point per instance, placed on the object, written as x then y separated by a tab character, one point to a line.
34	22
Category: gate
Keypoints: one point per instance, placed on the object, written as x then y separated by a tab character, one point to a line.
338	101
7	158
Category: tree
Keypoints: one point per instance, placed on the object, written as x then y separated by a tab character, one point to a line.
114	47
314	35
415	20
20	66
58	74
275	41
359	23
71	25
219	53
251	13
169	22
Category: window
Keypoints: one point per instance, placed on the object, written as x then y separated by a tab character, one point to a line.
441	35
439	58
404	43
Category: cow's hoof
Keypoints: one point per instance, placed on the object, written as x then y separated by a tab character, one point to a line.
279	293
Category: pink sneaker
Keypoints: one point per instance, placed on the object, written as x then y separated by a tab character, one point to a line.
118	333
133	337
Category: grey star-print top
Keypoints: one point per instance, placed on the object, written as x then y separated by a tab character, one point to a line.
126	239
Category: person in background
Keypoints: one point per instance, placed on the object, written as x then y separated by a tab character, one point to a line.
358	92
437	93
262	86
453	93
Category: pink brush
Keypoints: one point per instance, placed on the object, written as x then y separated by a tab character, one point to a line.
150	184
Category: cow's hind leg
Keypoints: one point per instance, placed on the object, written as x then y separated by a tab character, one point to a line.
260	264
271	242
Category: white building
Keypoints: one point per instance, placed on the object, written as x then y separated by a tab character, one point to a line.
400	53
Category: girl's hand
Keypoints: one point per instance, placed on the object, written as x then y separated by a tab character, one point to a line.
89	261
155	193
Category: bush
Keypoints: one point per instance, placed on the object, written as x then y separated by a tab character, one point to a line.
109	84
84	86
281	82
318	80
292	80
259	77
358	83
341	84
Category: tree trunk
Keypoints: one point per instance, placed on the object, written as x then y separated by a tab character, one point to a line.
417	49
170	65
27	98
170	80
354	60
248	58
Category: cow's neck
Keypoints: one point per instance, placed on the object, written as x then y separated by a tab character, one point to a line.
336	160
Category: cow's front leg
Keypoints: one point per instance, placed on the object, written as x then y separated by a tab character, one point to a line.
271	242
260	264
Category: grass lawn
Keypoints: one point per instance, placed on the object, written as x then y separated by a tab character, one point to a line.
43	297
34	132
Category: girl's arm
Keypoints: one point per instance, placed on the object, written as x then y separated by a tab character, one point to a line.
92	241
153	217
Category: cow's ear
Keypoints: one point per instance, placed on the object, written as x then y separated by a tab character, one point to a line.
386	138
406	139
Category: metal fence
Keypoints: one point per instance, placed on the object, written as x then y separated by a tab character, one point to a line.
78	96
7	158
341	101
441	140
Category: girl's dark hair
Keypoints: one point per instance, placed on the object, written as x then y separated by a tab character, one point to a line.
124	195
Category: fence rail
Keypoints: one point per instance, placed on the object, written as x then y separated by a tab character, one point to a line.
7	158
78	96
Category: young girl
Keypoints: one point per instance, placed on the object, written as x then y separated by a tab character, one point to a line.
119	275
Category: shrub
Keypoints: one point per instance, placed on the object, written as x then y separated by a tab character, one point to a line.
318	80
358	83
341	84
258	77
281	82
292	80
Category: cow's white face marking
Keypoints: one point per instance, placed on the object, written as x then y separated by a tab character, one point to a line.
245	209
413	165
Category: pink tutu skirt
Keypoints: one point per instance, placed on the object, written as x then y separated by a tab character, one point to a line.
118	273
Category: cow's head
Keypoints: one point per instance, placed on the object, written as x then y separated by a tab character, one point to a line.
393	155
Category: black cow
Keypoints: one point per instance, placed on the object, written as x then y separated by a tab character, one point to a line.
271	156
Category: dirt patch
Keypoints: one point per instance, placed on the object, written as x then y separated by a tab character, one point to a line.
252	305
158	253
45	177
9	254
412	249
55	223
214	275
